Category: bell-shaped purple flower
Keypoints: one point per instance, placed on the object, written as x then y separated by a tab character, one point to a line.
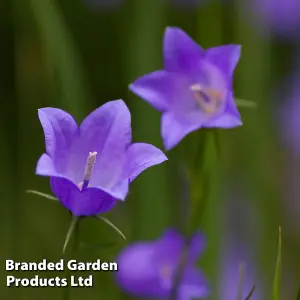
283	17
147	269
289	112
195	88
230	276
91	166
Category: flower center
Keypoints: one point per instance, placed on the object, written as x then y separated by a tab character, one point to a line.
208	99
166	271
91	160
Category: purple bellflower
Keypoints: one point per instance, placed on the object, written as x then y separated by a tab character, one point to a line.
283	17
195	88
289	112
91	166
230	276
147	269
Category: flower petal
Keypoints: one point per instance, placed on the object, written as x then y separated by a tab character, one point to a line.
169	247
142	279
226	121
45	166
226	57
107	131
197	246
181	53
174	128
88	202
193	285
230	118
59	130
120	189
159	88
141	156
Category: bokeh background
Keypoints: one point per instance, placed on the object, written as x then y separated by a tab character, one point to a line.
79	54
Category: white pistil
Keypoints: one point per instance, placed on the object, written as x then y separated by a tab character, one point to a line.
91	160
214	96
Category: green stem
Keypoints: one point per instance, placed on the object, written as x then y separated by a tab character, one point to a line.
67	290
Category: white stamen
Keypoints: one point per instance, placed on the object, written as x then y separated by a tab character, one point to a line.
196	87
90	165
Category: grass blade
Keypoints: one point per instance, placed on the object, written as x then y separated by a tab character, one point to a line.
66	70
276	284
112	225
47	196
70	232
245	103
298	295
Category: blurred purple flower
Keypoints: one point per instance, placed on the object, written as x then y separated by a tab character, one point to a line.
289	123
289	115
282	16
147	269
230	274
83	185
195	88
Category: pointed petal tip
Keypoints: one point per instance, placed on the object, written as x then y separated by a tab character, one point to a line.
171	29
169	146
41	111
131	86
239	122
136	85
163	156
121	197
172	32
140	157
48	109
117	103
45	166
238	48
120	103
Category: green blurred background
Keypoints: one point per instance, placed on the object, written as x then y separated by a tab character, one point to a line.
76	56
